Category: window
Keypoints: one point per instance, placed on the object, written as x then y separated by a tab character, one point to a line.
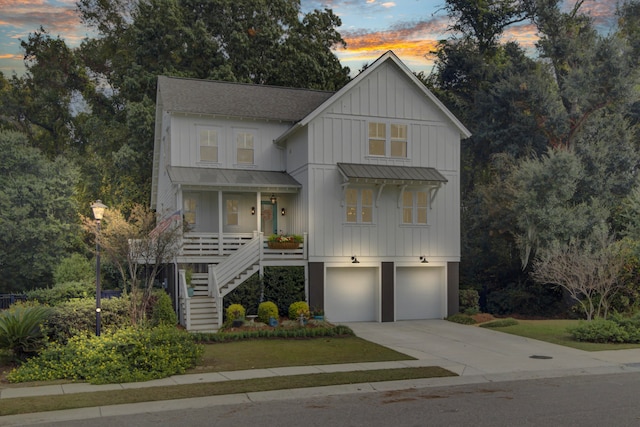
190	207
377	139
244	146
359	205
398	140
395	143
414	207
208	145
232	212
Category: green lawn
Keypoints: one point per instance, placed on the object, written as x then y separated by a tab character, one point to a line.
555	331
240	355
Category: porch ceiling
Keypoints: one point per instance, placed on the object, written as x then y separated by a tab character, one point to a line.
236	179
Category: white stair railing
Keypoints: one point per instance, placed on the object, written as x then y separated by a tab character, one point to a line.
185	300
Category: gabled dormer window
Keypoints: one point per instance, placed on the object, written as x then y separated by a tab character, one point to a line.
387	139
244	147
208	144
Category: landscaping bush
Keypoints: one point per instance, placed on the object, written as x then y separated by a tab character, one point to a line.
284	286
599	331
469	301
299	308
162	312
20	330
79	317
500	323
74	268
266	310
461	318
62	292
235	312
631	325
125	355
299	332
247	294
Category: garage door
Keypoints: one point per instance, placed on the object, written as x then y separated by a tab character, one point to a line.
351	294
420	293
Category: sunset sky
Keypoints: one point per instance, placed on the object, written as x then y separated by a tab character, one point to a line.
370	27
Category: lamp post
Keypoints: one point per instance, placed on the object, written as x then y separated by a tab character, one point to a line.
98	211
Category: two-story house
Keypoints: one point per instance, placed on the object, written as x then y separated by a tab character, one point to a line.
370	175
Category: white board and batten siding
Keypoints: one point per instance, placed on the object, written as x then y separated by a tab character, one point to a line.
185	142
340	134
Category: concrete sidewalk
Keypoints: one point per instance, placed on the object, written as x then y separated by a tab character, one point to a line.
477	355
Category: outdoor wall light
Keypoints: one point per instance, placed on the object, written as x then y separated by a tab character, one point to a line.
273	199
253	210
354	260
283	212
423	259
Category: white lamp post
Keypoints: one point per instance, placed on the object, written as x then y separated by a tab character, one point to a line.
98	211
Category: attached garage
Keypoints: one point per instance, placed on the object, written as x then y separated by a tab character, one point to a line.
352	294
420	293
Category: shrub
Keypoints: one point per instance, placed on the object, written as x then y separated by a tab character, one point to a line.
125	355
266	310
284	286
79	317
162	312
599	331
299	308
469	301
500	323
461	318
20	329
62	292
74	268
235	312
298	332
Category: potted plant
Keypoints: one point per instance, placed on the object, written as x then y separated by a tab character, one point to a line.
318	314
188	276
284	241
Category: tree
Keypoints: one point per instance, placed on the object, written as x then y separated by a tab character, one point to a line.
138	249
38	222
589	270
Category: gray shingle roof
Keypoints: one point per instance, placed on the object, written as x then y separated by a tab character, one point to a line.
181	95
385	173
236	178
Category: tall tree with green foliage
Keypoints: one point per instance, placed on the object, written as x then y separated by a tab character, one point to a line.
38	213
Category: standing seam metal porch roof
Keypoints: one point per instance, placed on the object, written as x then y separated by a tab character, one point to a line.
386	173
236	178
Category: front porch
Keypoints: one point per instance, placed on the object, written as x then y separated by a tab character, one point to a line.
231	258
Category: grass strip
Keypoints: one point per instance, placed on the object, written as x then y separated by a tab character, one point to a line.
24	405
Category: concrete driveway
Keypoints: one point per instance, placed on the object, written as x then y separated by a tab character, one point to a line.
470	350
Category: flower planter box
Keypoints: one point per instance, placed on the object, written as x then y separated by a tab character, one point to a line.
283	245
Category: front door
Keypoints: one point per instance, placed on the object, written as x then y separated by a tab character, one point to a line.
269	219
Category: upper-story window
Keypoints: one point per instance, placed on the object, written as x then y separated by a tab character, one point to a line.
208	145
359	203
387	139
414	207
245	147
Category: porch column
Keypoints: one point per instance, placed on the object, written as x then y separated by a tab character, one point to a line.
259	212
220	225
453	288
316	284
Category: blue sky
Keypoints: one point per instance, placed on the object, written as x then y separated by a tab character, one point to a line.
370	27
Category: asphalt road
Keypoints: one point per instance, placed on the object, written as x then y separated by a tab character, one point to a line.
590	400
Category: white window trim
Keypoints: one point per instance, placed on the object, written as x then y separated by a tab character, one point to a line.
388	139
218	130
236	132
359	205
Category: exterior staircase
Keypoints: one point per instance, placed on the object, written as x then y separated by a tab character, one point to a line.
203	311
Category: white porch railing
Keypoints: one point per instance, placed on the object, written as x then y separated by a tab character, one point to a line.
210	244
